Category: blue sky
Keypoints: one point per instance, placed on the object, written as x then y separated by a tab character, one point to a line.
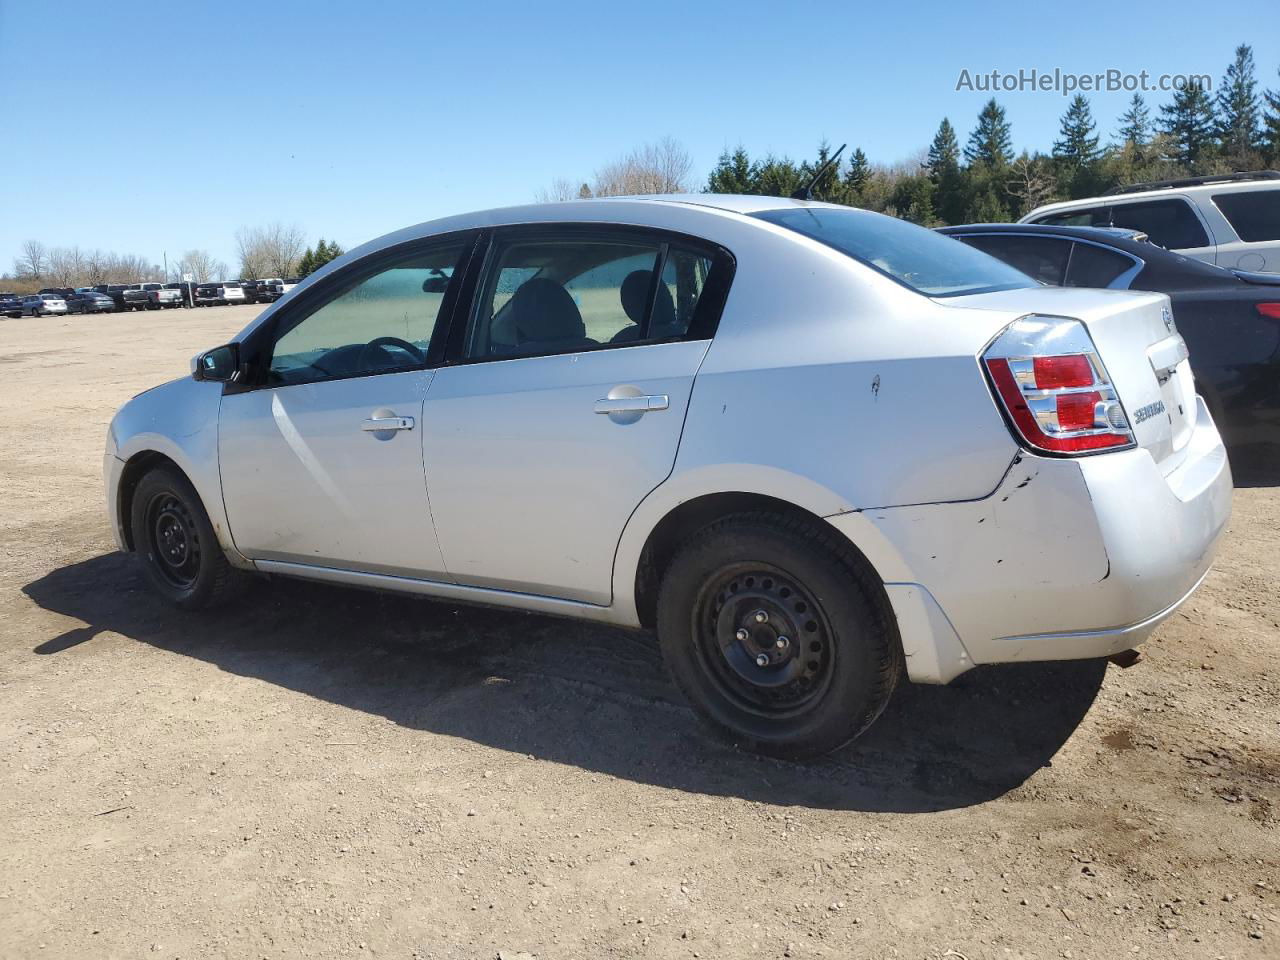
152	127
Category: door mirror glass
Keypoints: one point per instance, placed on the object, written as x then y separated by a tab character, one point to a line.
220	364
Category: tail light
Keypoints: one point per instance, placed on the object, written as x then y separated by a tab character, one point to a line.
1269	310
1055	389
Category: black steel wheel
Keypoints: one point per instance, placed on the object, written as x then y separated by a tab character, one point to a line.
764	638
779	633
171	532
174	540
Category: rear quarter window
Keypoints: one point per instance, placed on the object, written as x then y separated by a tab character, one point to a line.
1253	214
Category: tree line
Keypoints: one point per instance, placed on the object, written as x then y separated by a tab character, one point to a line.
274	250
1236	129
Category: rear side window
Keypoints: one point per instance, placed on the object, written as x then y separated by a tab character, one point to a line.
547	296
1041	258
1095	266
1084	217
926	262
1253	214
1169	223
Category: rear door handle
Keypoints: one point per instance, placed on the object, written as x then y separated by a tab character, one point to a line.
633	404
378	424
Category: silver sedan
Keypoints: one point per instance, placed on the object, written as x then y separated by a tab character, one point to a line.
816	448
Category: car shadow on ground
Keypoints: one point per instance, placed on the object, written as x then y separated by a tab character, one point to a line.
581	694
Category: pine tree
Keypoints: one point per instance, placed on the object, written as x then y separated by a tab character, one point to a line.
943	163
1271	125
307	264
855	178
1079	144
991	141
944	152
1237	103
1189	122
1076	153
732	173
1135	124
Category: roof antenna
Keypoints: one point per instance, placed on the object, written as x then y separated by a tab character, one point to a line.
806	192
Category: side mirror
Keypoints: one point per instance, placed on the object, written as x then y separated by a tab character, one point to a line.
221	364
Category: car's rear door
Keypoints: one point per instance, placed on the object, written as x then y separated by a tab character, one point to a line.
564	402
321	461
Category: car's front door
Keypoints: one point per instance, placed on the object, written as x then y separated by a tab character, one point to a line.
564	403
321	461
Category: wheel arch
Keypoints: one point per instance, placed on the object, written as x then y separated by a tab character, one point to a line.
639	579
135	468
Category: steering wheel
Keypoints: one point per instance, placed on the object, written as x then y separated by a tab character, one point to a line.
382	343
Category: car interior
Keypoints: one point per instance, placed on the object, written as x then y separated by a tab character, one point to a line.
542	297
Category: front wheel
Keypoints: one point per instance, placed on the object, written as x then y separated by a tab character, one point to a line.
778	633
172	534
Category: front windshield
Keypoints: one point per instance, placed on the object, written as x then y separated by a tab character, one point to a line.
927	262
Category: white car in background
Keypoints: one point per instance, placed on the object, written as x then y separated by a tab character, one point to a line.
815	447
1231	220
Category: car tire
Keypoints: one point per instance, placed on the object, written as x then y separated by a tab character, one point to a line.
811	676
172	534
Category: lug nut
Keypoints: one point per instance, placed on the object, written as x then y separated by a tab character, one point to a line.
743	634
762	660
762	617
782	643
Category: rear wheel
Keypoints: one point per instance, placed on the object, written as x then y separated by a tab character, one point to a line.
778	633
172	534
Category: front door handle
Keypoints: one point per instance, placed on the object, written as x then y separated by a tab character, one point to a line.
379	424
633	404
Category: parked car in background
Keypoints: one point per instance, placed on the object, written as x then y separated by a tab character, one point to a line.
1230	320
233	292
287	285
44	304
89	301
222	293
1231	220
10	305
136	298
63	292
816	447
270	290
186	292
115	291
161	297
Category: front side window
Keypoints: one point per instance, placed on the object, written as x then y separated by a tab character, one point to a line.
1253	214
377	324
928	263
550	296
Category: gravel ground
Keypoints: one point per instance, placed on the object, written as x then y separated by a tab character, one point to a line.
329	773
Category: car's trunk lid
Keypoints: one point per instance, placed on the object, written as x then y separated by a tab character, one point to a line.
1139	344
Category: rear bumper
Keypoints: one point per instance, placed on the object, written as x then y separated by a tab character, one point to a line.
1068	558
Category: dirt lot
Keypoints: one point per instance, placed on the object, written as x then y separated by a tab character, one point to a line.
326	773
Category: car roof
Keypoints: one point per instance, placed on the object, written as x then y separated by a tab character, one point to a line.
1142	193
